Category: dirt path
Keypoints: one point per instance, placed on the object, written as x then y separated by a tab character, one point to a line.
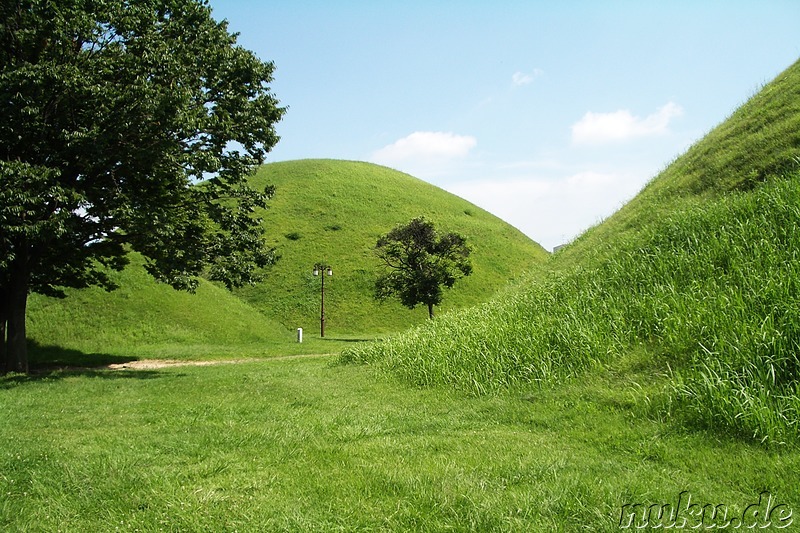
154	364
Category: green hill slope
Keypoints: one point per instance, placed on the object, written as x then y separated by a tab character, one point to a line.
758	140
696	280
330	211
145	318
334	211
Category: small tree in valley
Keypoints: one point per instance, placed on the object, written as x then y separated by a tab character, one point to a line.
419	263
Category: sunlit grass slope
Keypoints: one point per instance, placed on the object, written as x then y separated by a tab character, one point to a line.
333	211
144	318
697	279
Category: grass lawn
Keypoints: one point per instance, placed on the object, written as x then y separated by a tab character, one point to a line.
302	445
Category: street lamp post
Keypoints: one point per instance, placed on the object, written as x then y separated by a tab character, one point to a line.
321	270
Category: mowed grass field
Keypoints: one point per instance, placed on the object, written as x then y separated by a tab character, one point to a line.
302	444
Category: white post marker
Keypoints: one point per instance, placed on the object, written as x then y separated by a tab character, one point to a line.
300	335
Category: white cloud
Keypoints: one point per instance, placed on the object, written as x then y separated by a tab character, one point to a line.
596	128
528	165
551	211
425	153
522	78
590	181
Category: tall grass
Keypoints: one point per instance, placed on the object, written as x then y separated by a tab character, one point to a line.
722	304
711	291
544	332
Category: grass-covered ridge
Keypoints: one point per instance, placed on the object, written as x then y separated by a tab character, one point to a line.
696	279
760	139
333	211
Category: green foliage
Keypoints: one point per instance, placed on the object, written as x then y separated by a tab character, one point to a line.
701	276
28	196
111	113
116	109
418	262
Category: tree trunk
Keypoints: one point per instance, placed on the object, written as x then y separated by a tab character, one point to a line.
15	348
430	311
4	297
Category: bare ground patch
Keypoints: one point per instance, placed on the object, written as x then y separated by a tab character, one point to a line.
155	364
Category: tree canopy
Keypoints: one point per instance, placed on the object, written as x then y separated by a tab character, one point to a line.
128	125
419	263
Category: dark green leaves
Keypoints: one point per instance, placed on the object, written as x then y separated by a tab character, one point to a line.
419	263
113	111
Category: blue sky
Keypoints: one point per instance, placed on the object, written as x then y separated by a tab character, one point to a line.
548	114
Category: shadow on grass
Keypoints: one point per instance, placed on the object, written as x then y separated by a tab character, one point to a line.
43	357
56	362
340	339
56	373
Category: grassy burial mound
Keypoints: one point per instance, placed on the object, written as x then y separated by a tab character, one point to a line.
323	211
332	212
692	286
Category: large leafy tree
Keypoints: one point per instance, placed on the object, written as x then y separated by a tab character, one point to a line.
419	263
127	125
